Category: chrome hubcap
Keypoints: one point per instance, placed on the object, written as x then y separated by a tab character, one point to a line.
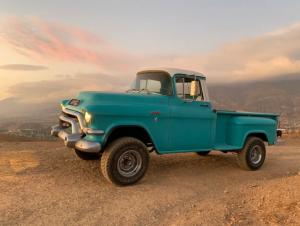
129	163
256	154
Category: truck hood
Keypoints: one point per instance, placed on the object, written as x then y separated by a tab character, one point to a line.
92	101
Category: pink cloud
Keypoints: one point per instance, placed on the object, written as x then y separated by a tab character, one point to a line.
254	58
39	39
265	56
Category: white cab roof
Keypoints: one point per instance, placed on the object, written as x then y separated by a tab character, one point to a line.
173	71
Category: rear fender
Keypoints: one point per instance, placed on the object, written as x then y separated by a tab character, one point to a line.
258	133
242	127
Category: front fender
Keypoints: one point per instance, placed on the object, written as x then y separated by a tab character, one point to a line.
128	123
102	139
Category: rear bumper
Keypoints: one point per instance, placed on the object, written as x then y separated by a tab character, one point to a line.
279	132
75	138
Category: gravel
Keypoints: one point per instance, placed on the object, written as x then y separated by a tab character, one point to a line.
44	183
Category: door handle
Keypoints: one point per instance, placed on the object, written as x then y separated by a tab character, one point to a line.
204	105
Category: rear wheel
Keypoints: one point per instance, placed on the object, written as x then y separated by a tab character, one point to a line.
203	153
125	161
87	155
253	155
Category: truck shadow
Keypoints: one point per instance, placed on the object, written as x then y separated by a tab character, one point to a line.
221	166
191	168
65	167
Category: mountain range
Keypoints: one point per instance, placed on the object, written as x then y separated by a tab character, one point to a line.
279	95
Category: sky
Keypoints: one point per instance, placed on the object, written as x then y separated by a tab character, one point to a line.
101	44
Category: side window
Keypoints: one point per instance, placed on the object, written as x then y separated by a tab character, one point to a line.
183	88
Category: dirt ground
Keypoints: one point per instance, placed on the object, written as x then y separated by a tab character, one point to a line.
44	183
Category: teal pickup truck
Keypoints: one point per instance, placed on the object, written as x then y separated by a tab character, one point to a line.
166	111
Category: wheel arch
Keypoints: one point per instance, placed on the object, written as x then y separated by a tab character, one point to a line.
137	131
259	134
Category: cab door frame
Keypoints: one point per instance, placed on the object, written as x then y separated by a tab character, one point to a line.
191	121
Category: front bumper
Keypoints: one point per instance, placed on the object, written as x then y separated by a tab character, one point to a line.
75	138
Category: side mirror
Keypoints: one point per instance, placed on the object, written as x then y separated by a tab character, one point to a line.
194	88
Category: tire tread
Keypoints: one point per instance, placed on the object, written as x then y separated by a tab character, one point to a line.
242	155
107	157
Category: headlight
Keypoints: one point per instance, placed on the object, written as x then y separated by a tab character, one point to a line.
87	117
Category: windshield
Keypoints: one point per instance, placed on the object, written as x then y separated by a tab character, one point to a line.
152	82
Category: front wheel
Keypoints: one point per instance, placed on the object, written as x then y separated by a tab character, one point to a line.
125	161
253	155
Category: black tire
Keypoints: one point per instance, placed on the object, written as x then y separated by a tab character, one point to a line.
125	161
203	153
86	155
253	155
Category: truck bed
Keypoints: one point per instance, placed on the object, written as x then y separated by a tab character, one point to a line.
245	113
233	127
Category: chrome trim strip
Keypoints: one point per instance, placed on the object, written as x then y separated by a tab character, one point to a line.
74	140
81	123
75	127
77	114
62	135
69	139
55	130
93	131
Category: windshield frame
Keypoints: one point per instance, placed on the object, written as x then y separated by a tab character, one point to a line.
163	73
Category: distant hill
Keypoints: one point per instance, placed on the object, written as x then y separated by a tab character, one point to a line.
14	108
16	115
280	95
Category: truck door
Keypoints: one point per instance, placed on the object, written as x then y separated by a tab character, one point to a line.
191	116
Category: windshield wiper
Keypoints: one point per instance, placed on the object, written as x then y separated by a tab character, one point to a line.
144	89
149	91
132	90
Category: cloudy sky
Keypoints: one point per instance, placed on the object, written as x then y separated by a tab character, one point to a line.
55	48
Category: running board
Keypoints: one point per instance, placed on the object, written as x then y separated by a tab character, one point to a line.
226	147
